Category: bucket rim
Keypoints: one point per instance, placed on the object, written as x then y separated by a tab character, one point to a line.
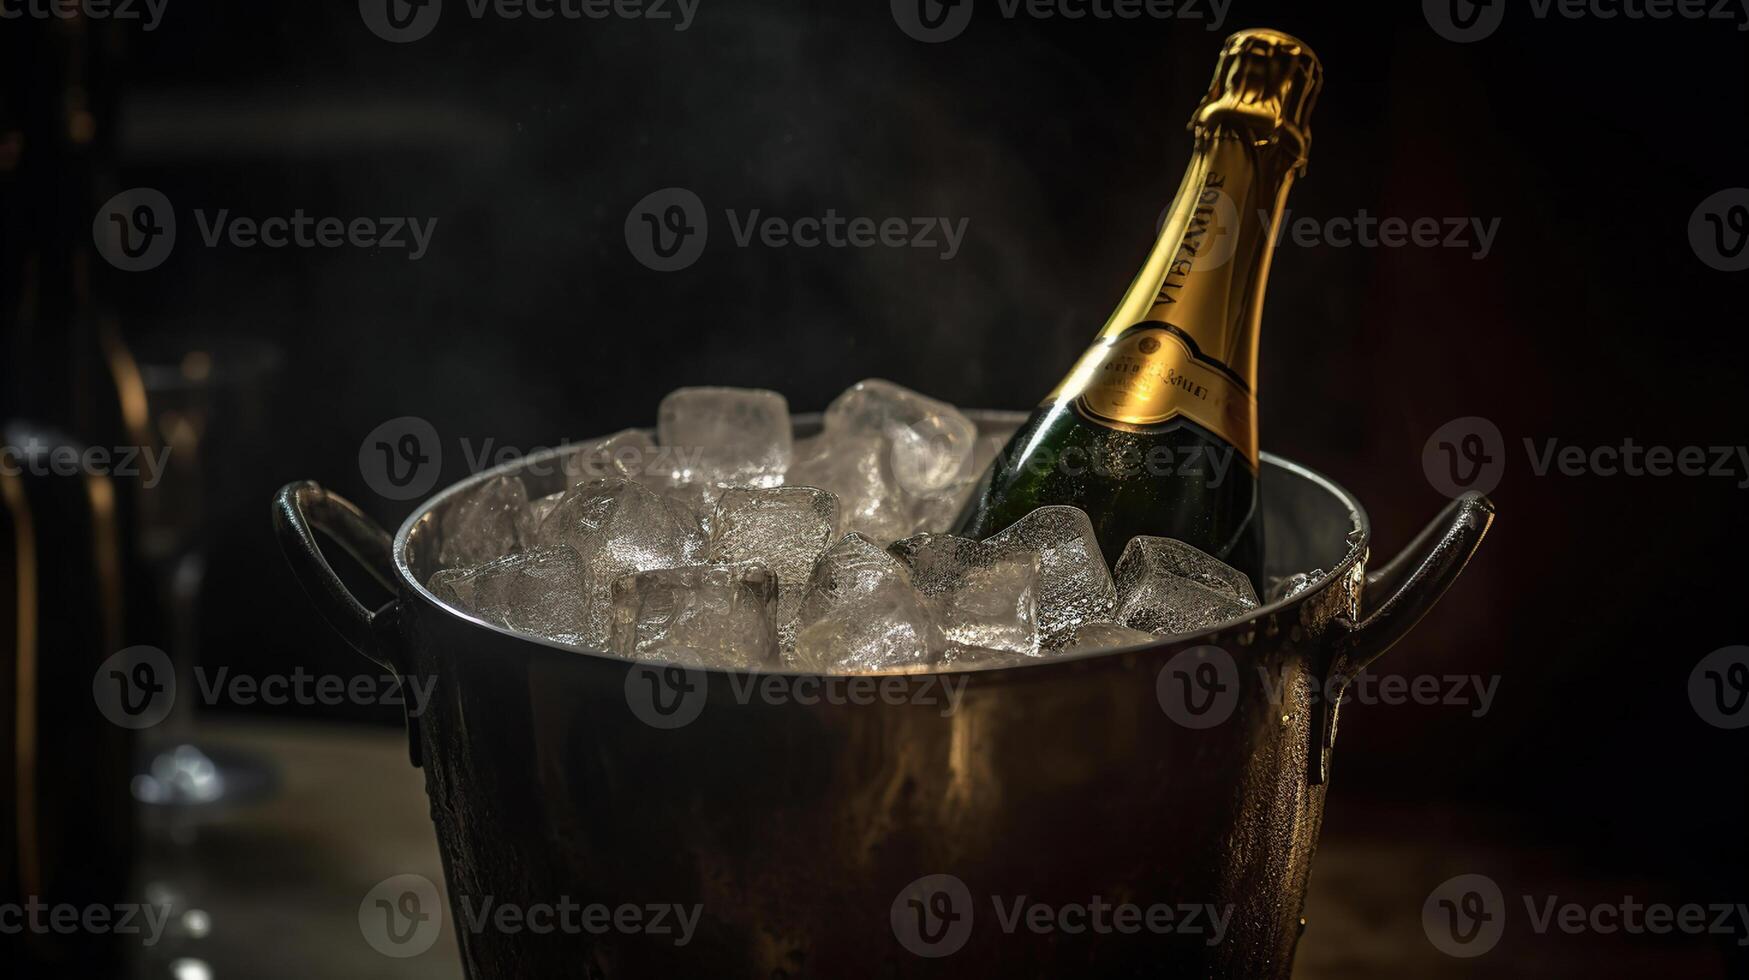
1359	539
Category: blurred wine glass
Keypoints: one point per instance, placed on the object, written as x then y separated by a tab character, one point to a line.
204	405
205	400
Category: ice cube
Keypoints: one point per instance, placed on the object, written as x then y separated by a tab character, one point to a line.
856	469
538	509
617	527
1292	585
540	592
1173	557
1170	588
719	616
631	454
738	436
1106	636
983	596
1075	586
487	523
928	441
783	528
628	454
699	498
861	613
935	512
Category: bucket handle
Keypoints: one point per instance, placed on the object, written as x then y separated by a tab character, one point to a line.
1411	583
299	511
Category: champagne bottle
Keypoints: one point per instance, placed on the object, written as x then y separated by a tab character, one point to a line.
1154	430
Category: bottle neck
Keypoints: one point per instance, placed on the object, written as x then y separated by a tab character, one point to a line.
1183	342
1207	272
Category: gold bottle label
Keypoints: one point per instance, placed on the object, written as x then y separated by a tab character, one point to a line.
1151	375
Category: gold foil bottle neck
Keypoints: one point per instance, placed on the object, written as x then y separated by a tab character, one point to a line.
1266	83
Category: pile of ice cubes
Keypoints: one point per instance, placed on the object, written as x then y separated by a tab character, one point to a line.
724	542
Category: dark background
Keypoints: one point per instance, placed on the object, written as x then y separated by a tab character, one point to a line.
529	321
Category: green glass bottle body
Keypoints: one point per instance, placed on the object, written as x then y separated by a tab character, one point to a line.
1154	430
1179	482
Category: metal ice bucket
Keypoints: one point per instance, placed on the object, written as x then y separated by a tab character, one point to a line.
903	833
